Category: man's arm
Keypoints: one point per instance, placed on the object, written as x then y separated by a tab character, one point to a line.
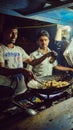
7	72
39	60
62	68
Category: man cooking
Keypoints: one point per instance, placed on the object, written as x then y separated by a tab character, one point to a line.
45	67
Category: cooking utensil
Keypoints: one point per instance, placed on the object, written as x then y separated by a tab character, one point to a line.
27	110
39	81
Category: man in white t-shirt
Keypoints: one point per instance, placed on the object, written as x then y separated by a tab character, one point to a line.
12	56
44	68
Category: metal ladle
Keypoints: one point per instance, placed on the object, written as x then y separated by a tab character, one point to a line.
27	110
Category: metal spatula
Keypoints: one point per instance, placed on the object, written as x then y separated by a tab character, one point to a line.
39	81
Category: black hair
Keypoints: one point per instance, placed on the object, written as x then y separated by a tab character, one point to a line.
43	33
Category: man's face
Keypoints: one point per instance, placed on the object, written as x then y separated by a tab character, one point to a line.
43	42
10	36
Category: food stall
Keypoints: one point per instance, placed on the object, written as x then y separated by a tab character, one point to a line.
43	106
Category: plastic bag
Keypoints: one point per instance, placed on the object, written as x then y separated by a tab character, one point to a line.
68	53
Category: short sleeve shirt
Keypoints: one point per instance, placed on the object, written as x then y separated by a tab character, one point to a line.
45	68
13	58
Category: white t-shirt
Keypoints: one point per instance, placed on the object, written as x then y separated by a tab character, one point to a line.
45	68
13	58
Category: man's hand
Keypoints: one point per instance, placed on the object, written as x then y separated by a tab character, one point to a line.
28	75
52	54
